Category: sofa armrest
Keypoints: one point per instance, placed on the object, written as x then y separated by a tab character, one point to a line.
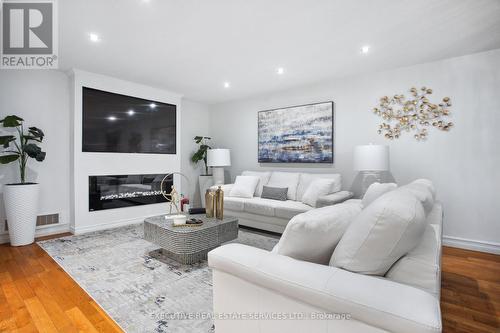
376	301
226	188
333	199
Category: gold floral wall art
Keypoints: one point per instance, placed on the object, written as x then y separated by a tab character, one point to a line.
415	114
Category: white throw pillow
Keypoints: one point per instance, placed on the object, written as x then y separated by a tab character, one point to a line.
382	233
244	186
317	188
376	190
428	184
423	193
263	179
306	178
312	236
289	180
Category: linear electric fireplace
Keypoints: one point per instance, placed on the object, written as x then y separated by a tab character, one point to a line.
107	192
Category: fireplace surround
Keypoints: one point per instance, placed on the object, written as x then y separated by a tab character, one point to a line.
117	191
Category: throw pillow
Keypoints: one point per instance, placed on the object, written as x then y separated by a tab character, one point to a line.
285	179
244	186
383	232
317	188
306	178
428	184
376	190
264	178
274	193
312	236
423	193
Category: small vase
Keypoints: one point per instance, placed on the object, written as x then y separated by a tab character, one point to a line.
219	203
209	203
21	208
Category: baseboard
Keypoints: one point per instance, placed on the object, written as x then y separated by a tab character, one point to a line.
43	230
471	244
97	227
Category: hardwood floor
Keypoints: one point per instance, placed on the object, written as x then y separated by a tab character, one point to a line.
36	295
470	291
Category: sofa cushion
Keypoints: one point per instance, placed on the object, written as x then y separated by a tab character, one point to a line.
312	236
235	204
428	184
420	267
307	178
383	232
423	192
376	190
244	186
290	208
317	188
274	193
285	179
261	206
263	179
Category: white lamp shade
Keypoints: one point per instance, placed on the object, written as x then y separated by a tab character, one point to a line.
371	158
218	157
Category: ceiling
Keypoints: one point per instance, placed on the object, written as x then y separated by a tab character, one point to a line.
192	47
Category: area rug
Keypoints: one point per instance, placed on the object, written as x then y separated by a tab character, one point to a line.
138	287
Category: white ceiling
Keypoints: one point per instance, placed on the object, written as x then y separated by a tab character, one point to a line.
192	47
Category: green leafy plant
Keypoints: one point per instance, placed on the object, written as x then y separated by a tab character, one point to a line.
20	147
201	153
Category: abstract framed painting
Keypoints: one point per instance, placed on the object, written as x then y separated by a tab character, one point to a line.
297	134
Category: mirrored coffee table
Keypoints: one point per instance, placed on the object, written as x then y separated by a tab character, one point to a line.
189	244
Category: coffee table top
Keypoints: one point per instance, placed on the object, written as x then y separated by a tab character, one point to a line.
208	223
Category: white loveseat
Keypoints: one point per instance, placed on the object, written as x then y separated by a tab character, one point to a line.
273	215
269	288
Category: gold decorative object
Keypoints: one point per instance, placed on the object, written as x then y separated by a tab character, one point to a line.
210	203
219	203
413	114
173	197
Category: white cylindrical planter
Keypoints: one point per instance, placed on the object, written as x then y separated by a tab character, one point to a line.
21	208
205	183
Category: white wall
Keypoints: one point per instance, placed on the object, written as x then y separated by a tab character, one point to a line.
462	163
88	164
41	98
195	121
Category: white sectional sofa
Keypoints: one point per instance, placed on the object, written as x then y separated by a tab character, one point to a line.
269	288
273	215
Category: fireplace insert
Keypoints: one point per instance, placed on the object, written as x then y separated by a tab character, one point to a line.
116	191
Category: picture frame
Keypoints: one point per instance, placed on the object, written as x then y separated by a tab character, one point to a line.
297	134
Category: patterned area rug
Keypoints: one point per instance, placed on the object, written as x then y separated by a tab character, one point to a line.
137	286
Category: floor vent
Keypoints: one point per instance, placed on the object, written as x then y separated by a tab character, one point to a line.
42	220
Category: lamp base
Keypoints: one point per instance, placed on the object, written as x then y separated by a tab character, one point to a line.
364	179
218	174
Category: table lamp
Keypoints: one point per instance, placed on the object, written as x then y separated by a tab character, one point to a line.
372	162
218	159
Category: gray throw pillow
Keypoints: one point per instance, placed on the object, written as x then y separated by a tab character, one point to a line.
274	193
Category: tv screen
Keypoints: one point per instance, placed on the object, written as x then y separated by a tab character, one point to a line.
115	123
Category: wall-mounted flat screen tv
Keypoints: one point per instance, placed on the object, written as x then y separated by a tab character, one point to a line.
114	123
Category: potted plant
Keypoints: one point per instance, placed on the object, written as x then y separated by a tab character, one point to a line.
21	199
201	155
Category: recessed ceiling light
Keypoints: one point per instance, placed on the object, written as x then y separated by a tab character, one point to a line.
365	49
94	37
152	106
131	112
111	118
227	84
280	70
